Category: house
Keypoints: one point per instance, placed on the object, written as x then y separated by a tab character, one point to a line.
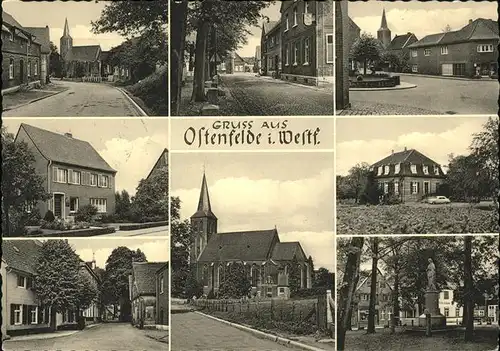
74	173
270	45
42	36
22	311
469	51
307	41
161	163
92	314
399	47
21	56
408	174
142	290
240	64
161	279
267	260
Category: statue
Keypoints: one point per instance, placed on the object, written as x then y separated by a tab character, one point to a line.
431	276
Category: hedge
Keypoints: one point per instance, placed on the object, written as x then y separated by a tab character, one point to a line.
135	226
77	232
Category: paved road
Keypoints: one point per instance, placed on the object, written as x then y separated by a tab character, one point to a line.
444	96
104	337
261	96
194	332
156	231
81	99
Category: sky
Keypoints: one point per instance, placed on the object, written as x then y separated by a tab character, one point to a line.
79	15
130	146
435	137
255	191
420	18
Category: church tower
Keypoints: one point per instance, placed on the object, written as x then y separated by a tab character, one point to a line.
66	43
203	222
384	33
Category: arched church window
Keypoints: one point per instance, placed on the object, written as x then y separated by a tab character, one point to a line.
205	275
254	273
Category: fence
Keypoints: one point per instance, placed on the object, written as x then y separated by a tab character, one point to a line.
92	79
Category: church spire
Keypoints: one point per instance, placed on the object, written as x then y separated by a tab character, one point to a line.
383	25
204	200
66	28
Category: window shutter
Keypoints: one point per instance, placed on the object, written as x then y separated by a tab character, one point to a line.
47	315
25	314
12	313
411	187
54	174
29	283
70	176
39	315
418	187
30	308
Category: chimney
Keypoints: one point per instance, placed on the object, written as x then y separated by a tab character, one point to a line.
69	135
470	21
392	151
406	149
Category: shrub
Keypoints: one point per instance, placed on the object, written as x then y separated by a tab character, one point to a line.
57	224
34	217
211	295
359	78
105	218
312	292
153	91
49	216
85	213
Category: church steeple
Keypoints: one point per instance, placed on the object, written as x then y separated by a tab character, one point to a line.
66	43
66	28
383	25
384	33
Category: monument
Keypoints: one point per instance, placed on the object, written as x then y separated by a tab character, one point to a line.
438	321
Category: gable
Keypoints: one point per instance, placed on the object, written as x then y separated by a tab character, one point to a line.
86	53
285	251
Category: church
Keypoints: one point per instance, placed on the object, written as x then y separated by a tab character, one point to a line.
267	260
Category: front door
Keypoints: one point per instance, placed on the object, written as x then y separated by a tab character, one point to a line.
426	187
58	205
447	69
21	71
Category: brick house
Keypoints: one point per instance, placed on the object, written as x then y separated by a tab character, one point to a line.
21	56
75	174
409	175
270	44
22	312
469	51
161	163
42	36
142	290
161	279
307	41
266	259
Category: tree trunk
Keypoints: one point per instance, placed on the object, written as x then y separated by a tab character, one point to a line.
347	289
364	66
468	285
395	299
373	289
177	43
199	61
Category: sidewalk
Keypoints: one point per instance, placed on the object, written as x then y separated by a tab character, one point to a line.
42	336
483	79
22	98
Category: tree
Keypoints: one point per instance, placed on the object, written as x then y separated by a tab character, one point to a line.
366	49
179	12
467	179
357	179
55	62
468	320
323	279
371	192
373	287
87	292
151	198
122	205
294	276
21	183
235	284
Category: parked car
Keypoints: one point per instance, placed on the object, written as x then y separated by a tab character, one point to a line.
438	200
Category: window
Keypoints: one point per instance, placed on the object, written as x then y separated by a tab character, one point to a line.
28	68
446	312
295	53
21	281
329	48
397	168
457	312
436	170
28	206
75	177
295	20
426	170
287	24
485	48
287	58
306	51
446	295
427	52
379	170
100	204
18	314
33	314
11	68
93	179
306	7
386	169
254	272
414	188
60	175
444	50
35	68
414	53
414	68
396	188
386	188
73	204
161	285
413	169
103	181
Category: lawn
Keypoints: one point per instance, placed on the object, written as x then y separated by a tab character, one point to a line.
412	219
485	340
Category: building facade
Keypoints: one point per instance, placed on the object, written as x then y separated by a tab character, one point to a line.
467	52
74	172
408	175
161	278
267	261
21	56
271	47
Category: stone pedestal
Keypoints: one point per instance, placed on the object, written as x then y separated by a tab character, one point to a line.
438	321
212	96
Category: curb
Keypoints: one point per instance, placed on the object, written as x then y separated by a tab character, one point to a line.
137	107
408	86
159	340
447	77
45	338
34	100
262	335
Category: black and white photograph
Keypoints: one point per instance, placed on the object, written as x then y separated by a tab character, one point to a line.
417	293
417	58
252	247
252	58
417	175
85	294
80	58
84	177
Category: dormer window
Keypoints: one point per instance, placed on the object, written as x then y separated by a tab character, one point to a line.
386	169
413	169
379	171
11	35
426	170
397	168
287	23
436	170
295	20
306	7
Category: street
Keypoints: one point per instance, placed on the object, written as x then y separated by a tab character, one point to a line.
263	96
155	231
81	99
103	337
193	332
432	95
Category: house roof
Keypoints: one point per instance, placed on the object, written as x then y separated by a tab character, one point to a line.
245	246
144	274
407	156
204	207
286	251
64	149
429	40
269	26
399	41
406	159
161	162
7	18
21	255
85	53
353	24
42	36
